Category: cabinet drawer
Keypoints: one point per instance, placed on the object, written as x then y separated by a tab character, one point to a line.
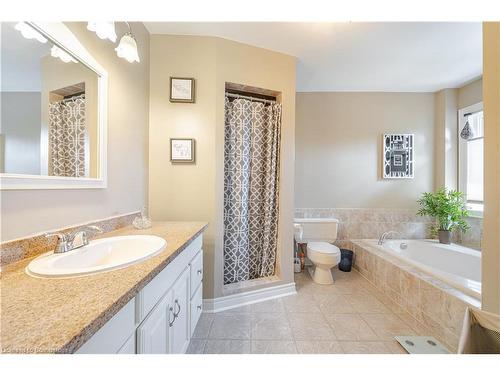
196	272
154	291
196	307
113	335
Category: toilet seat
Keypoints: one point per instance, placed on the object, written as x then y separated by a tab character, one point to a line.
323	253
323	247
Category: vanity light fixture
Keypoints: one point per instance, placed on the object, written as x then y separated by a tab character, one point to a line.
127	48
55	51
104	30
29	33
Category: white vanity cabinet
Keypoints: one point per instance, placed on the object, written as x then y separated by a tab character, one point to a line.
152	334
162	317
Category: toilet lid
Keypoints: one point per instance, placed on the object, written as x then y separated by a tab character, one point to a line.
323	247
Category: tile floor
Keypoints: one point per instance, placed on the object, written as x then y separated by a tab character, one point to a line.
350	316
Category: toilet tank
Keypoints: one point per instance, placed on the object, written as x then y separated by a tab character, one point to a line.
324	229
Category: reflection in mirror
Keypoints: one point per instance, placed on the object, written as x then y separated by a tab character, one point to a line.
49	107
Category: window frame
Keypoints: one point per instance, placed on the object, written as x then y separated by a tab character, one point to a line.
462	158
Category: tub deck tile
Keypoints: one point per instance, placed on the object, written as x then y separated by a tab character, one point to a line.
437	306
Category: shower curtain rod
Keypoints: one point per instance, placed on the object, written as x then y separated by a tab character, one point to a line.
238	96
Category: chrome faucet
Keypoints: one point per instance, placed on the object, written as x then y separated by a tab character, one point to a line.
385	234
68	242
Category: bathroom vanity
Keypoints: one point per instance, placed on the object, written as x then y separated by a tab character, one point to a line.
161	318
149	307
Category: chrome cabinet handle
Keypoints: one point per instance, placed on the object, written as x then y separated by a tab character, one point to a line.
199	307
171	323
199	272
176	314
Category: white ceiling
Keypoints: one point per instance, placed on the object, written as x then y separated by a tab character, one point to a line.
416	57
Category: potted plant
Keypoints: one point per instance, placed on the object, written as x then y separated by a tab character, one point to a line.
449	210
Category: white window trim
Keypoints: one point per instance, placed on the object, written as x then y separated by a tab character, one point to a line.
462	153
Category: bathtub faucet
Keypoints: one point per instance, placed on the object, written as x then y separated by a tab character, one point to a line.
385	234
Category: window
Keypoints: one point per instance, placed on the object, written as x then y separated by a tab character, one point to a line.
470	156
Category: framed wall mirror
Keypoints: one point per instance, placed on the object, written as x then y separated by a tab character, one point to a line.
54	110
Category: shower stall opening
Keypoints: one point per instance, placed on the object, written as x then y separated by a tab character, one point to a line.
251	186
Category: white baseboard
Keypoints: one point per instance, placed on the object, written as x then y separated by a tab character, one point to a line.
247	298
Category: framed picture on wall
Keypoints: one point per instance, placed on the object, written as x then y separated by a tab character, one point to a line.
182	90
398	159
182	150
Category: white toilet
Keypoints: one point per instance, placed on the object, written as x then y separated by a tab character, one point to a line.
319	234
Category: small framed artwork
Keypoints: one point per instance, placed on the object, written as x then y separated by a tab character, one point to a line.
182	90
182	150
398	159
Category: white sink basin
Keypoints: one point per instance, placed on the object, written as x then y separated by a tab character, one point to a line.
98	256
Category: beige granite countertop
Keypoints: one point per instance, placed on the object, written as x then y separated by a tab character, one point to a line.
58	315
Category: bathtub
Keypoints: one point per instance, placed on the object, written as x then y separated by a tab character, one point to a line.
456	265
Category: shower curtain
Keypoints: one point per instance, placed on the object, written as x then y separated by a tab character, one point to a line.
251	185
67	137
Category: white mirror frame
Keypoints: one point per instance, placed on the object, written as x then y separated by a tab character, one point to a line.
59	33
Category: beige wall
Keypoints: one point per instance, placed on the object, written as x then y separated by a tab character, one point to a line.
471	93
187	191
27	212
447	102
339	148
445	139
195	191
491	237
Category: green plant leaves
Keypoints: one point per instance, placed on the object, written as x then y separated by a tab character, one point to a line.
447	206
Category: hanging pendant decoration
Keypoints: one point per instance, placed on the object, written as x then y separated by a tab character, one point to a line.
467	132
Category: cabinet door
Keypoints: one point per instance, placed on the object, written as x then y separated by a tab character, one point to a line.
153	333
180	329
196	271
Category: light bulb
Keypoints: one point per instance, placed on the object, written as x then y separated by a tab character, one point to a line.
29	33
127	48
55	51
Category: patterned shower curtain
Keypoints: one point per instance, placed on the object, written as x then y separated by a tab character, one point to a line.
251	184
67	137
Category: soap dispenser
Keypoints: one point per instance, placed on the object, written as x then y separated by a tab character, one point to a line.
143	221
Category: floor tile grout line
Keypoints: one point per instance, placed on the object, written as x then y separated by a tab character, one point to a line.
290	325
328	323
386	304
359	313
210	328
385	342
204	346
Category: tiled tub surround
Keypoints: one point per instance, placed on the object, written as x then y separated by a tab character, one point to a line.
59	315
428	301
27	247
358	223
472	238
